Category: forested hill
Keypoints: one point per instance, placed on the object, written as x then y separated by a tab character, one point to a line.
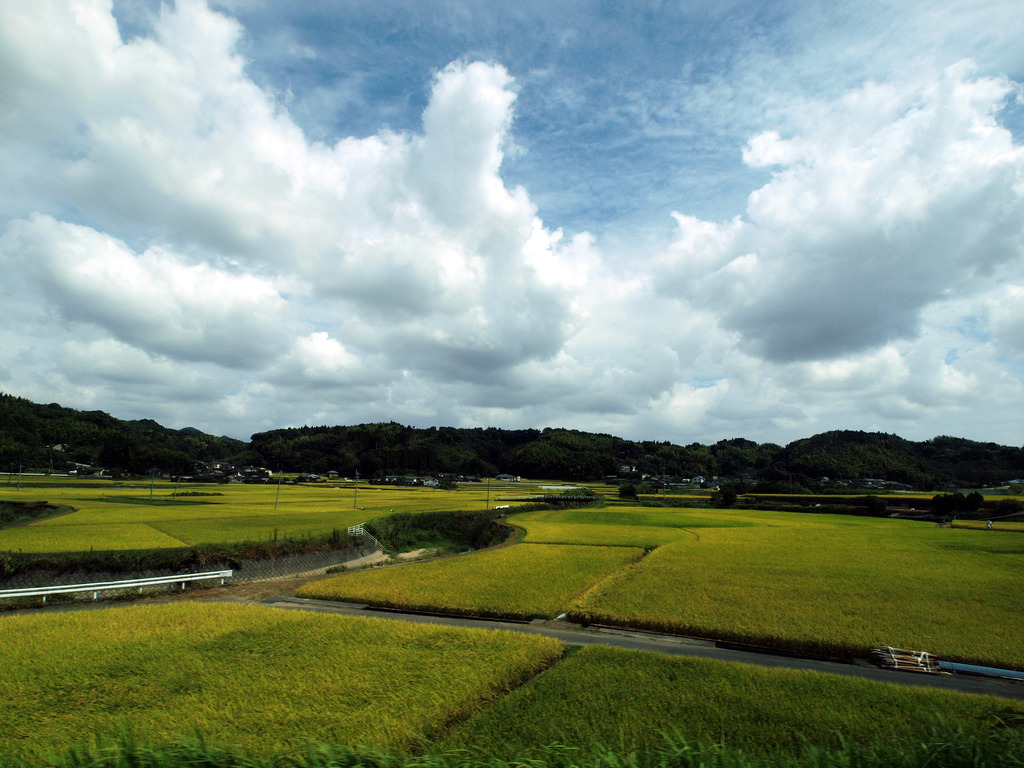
41	436
45	436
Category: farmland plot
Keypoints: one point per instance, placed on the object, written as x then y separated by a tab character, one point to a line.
628	701
831	585
624	526
258	678
523	581
112	516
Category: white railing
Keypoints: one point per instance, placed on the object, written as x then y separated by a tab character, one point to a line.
358	530
104	586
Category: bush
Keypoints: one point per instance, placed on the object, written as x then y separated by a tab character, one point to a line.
724	496
580	491
1010	506
405	531
875	505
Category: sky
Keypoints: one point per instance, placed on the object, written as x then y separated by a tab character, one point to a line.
685	221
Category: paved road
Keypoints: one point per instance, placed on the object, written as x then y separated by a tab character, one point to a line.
573	634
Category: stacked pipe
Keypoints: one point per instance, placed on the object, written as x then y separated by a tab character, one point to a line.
888	657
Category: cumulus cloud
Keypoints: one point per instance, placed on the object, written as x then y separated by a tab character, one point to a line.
171	235
319	361
108	362
411	243
1006	310
884	202
151	300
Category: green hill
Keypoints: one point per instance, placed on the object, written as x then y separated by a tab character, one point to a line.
51	436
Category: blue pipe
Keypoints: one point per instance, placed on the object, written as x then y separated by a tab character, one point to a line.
972	669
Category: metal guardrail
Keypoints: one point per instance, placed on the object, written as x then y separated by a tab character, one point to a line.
358	530
546	497
104	586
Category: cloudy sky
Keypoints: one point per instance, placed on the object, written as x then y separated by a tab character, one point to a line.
679	221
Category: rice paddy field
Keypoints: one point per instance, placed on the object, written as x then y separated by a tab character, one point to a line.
270	682
267	682
258	678
622	525
823	584
522	582
110	515
831	585
629	701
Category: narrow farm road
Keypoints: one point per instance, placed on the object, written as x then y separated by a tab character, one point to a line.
573	634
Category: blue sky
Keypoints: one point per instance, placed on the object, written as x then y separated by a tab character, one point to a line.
672	221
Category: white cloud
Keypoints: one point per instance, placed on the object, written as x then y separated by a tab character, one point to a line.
151	300
318	360
171	235
110	364
1007	316
886	201
166	138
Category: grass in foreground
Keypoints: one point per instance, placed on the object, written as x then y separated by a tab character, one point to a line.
262	679
523	581
627	701
940	748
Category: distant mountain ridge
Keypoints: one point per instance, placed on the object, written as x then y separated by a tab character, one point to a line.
42	436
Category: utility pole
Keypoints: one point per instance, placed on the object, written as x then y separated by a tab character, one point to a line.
488	507
278	496
355	496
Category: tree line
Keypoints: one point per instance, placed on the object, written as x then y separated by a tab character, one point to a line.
45	437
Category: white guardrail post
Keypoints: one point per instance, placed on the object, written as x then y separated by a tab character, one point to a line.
358	530
104	586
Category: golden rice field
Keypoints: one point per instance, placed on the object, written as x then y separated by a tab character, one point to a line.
623	525
260	678
523	581
266	680
829	584
821	583
124	515
629	700
824	584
